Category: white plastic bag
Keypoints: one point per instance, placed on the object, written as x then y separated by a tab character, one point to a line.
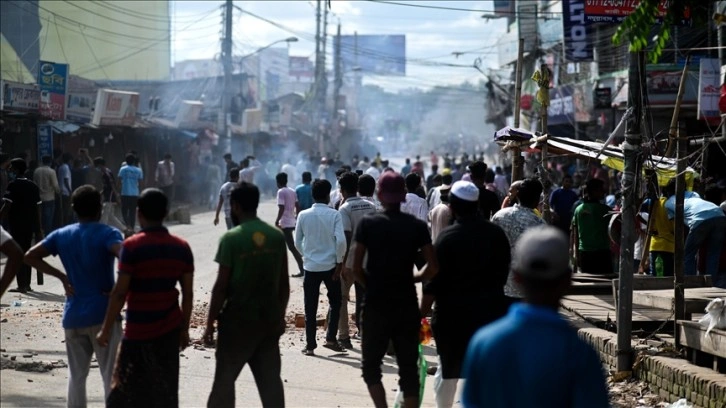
715	315
681	403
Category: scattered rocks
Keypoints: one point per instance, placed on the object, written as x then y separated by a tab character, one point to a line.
4	321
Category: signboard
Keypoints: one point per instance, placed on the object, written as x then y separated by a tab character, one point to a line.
603	98
569	104
20	97
615	11
53	82
375	54
504	8
80	105
188	114
709	82
45	140
663	80
578	33
115	108
527	14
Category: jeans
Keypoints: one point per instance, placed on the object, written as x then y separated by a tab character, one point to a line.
23	235
66	210
712	232
344	322
399	323
253	343
81	344
290	241
47	212
108	216
169	192
128	210
228	221
311	289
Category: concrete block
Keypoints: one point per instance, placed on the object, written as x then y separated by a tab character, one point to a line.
664	394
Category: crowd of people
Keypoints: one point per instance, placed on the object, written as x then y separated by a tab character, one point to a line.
493	259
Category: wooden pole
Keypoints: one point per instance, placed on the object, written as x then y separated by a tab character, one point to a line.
679	312
517	161
677	109
632	158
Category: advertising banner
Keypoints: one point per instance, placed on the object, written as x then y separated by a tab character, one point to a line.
615	11
663	80
570	104
375	54
709	83
578	33
80	106
45	140
115	108
53	82
20	97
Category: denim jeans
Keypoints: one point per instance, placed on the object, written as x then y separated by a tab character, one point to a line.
128	210
711	232
81	344
47	212
290	241
242	343
228	221
311	289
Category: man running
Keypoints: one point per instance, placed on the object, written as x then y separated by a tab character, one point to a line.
286	204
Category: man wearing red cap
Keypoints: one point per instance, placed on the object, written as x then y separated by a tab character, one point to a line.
390	311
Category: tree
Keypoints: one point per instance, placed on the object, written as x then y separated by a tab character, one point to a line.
638	26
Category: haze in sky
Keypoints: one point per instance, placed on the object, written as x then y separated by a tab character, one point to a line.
432	35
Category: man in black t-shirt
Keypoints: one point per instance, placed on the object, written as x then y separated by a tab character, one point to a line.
390	310
21	204
488	200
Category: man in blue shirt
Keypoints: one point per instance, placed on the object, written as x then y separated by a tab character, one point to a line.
707	225
532	357
561	202
130	175
304	193
87	250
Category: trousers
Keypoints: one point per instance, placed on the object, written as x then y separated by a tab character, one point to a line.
81	345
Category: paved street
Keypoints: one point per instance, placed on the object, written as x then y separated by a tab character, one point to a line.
31	332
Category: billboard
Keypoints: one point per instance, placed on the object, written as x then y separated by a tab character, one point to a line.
709	92
609	11
80	105
115	108
578	33
20	97
374	54
570	104
53	82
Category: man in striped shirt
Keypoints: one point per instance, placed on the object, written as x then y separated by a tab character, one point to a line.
150	265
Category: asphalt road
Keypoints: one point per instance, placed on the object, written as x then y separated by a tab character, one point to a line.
31	332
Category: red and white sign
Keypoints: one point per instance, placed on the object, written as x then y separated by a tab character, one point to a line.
115	108
617	10
709	82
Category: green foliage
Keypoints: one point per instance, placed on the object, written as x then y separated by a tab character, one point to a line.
637	27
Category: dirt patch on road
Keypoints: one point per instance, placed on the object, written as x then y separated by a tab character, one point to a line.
631	393
31	366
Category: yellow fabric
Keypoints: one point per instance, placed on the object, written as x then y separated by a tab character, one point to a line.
542	78
662	238
664	175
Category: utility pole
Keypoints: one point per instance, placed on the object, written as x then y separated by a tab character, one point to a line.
224	116
679	310
338	83
633	160
323	74
517	162
317	84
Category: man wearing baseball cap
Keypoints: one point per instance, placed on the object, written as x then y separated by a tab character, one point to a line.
474	258
391	311
532	356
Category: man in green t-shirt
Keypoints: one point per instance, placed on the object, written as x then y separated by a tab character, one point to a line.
248	302
590	231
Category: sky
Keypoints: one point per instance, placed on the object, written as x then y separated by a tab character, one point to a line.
431	34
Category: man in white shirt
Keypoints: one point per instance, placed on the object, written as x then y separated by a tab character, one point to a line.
164	176
286	203
64	179
353	209
320	238
47	182
291	172
373	171
249	166
414	204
